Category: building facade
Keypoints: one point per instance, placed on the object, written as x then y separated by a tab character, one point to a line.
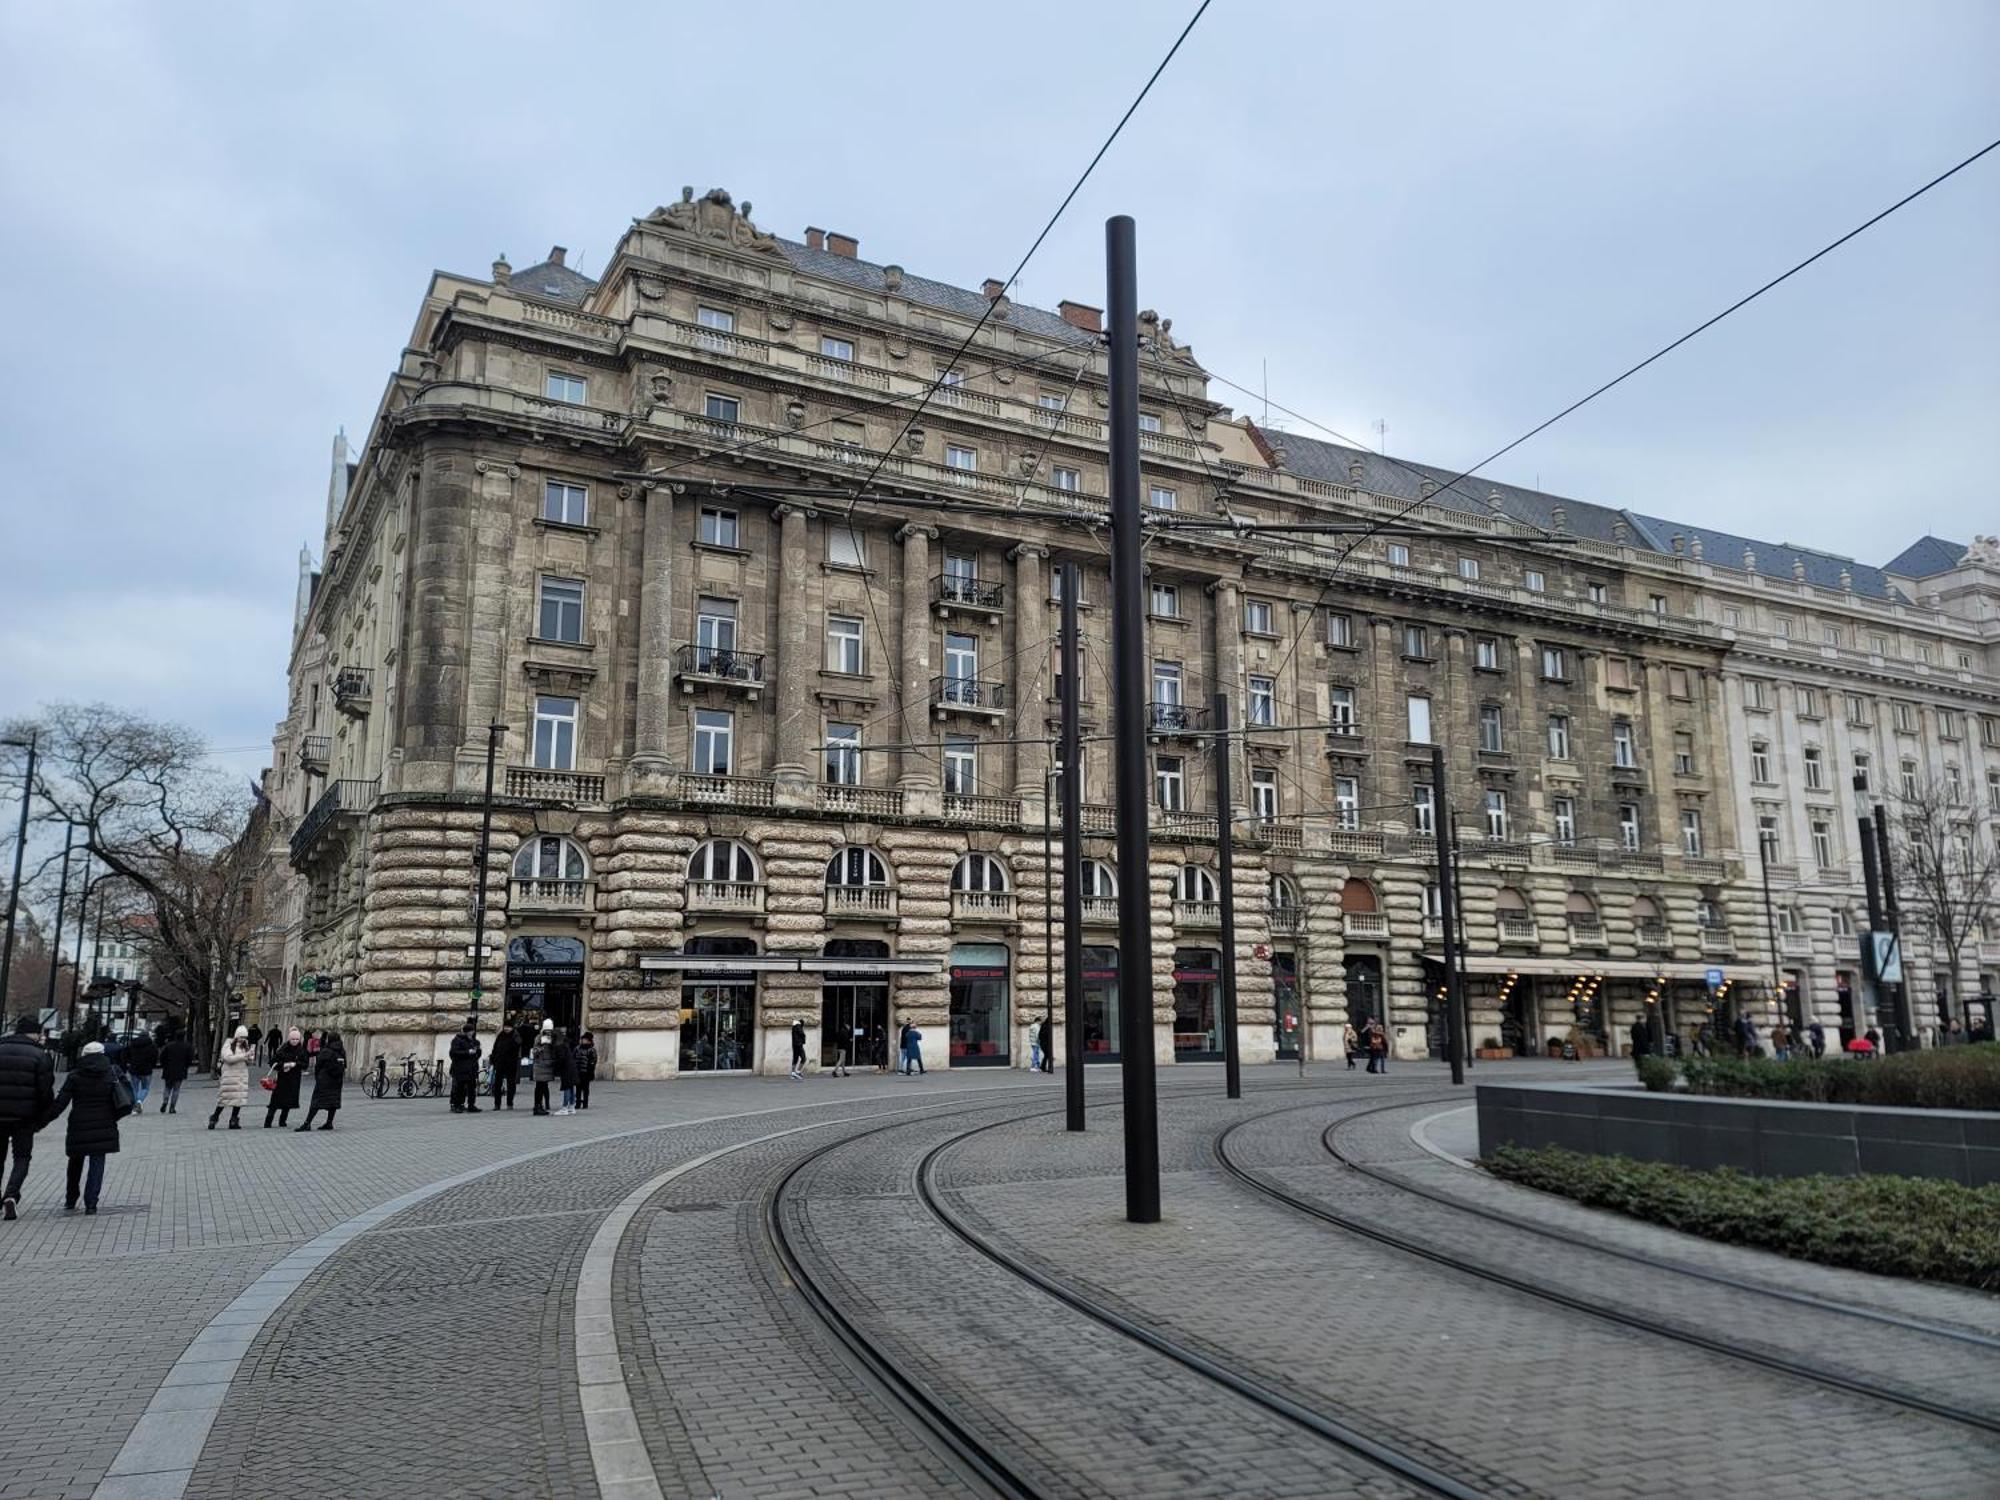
766	661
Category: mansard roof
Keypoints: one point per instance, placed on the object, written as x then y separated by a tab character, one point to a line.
555	281
1927	555
869	277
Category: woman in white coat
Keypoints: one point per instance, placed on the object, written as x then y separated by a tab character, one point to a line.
232	1079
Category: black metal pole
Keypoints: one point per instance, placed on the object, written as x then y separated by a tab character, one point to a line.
1770	919
1871	879
1048	919
1128	654
1448	922
1225	863
82	921
1458	911
493	733
1906	1021
62	899
1070	754
20	849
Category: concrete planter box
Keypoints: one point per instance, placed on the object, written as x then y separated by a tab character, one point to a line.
1761	1137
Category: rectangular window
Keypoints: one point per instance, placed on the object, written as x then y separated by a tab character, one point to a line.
1558	736
1264	793
1622	755
1052	401
1989	731
1534	581
1830	634
1683	753
961	658
1399	555
1082	671
843	547
715	318
1808	701
1906	719
1489	727
1679	684
1781	627
1732	617
1660	605
1879	644
1162	497
714	635
1340	709
1416	641
555	733
1169	783
561	387
1166	601
1263	701
1628	827
961	568
1822	843
1347	802
1815	764
1598	593
965	460
1068	480
1468	569
1691	831
1857	710
1993	791
566	503
1340	630
1861	764
560	617
1565	818
1486	653
1167	683
1760	761
833	348
721	408
1555	664
1257	617
843	754
1419	719
843	644
1423	807
850	437
1767	837
961	767
1948	727
1753	694
1618	671
1496	814
718	527
1148	422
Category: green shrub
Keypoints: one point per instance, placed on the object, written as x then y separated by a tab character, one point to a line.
1944	1078
1897	1226
1657	1074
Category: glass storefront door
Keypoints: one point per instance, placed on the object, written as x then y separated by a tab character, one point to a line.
854	1019
1197	1005
1100	1005
718	1017
1285	994
979	1005
545	981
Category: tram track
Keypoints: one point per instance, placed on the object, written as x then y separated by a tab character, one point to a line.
1795	1368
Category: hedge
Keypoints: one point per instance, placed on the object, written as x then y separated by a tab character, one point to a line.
1944	1078
1896	1226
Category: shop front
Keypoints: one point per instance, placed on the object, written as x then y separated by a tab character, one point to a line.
544	981
854	1006
719	1009
980	994
1288	1027
1100	1005
1197	1006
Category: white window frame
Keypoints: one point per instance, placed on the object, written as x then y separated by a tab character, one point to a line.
1691	835
1492	728
1066	479
1468	569
832	346
1340	710
565	597
1423	808
717	407
1264	793
1494	805
558	725
1169	783
1559	737
1340	629
1628	827
1347	802
1163	497
1555	664
843	755
1624	749
1535	581
1417	716
1398	554
1486	653
1262	710
560	385
714	523
712	747
1166	601
1257	617
846	640
845	546
961	766
564	503
1564	809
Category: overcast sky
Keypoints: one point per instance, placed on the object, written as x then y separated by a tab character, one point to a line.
217	222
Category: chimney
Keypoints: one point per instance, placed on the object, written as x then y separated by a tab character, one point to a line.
1558	518
992	288
501	270
843	244
556	254
815	238
1089	319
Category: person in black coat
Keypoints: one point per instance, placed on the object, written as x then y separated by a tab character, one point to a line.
176	1058
329	1071
565	1066
142	1056
1042	1040
27	1100
506	1060
89	1094
465	1051
289	1066
586	1069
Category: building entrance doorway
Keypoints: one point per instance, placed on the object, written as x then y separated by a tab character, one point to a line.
1100	1005
1288	1027
1197	1013
854	1008
545	981
718	1010
979	1010
1363	986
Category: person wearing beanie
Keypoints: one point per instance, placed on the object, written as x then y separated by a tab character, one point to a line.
465	1053
27	1096
91	1094
288	1070
232	1079
545	1066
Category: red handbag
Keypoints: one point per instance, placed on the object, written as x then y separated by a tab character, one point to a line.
270	1081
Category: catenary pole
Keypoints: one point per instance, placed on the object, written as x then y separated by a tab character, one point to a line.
21	848
1225	861
1448	923
1070	756
82	921
1906	1021
1871	878
62	899
1128	653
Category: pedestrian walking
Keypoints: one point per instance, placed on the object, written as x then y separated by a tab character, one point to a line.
287	1071
1378	1046
465	1055
910	1043
176	1058
1781	1042
566	1069
256	1035
586	1069
544	1060
232	1079
329	1072
97	1098
27	1102
1350	1042
798	1047
1035	1048
1048	1057
1816	1035
142	1057
506	1061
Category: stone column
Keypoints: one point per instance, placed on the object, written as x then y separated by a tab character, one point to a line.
794	667
435	676
1030	681
1229	679
650	759
918	770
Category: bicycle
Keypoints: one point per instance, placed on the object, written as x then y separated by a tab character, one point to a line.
375	1081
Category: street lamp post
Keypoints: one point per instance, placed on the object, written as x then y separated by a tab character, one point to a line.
62	899
20	849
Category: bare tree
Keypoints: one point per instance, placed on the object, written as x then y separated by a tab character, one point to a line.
172	828
1947	871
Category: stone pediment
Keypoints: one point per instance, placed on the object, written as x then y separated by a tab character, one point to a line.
713	216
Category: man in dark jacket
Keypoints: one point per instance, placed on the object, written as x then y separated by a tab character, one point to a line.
142	1055
90	1094
176	1058
465	1053
506	1062
27	1101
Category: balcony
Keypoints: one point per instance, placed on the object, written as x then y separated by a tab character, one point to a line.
1574	856
1633	859
1782	873
341	802
539	784
955	594
1517	929
725	895
1283	838
314	752
553	895
968	696
1197	915
1100	911
1346	739
1175	720
1654	936
1099	818
1989	950
1172	823
1351	843
354	691
1284	921
1700	867
733	671
1500	851
982	812
1716	940
1586	932
722	791
859	801
982	906
873	902
1364	924
1795	944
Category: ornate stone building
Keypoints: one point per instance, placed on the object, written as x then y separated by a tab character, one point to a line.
768	751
